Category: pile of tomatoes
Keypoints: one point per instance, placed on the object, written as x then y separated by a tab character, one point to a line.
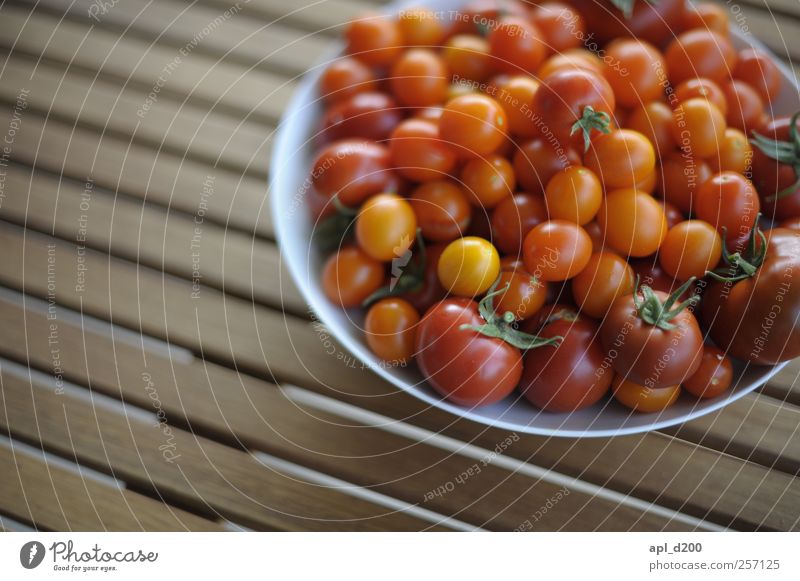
561	199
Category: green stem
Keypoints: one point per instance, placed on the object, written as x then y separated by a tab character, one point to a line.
591	119
657	313
785	152
743	265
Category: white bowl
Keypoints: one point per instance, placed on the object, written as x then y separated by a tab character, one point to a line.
291	160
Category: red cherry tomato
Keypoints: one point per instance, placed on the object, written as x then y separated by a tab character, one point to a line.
353	170
538	160
713	377
344	78
350	276
442	209
418	153
419	78
516	46
374	39
368	115
757	69
700	53
513	218
728	200
556	250
474	124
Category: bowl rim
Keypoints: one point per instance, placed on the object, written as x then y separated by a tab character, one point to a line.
279	182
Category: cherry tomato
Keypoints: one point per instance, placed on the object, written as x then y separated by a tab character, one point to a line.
698	88
648	184
632	69
574	194
513	218
442	210
713	377
418	153
633	222
374	39
368	115
475	124
568	377
644	399
430	291
561	26
672	213
691	248
735	153
575	58
488	180
538	160
462	365
515	95
680	177
523	298
467	57
728	200
745	107
350	276
516	46
386	226
655	22
353	170
468	266
771	177
707	16
622	158
419	78
564	95
650	344
757	69
651	274
698	127
606	277
390	327
420	27
700	53
344	78
556	250
654	121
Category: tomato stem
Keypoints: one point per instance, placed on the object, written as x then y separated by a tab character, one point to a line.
787	152
502	327
410	279
335	229
652	311
742	266
591	119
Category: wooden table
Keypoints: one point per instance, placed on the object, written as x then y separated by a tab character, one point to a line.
159	370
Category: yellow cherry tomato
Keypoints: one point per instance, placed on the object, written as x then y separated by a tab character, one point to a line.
468	266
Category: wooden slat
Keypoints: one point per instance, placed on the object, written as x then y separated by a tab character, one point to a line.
175	242
231	331
216	31
74	96
55	498
252	91
229	482
139	171
234	407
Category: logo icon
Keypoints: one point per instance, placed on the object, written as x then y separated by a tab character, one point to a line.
31	554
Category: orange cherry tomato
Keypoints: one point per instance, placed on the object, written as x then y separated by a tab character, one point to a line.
575	58
702	89
713	377
757	69
728	201
556	250
386	226
560	25
654	121
698	127
344	78
390	328
516	45
468	266
691	248
523	298
633	70
606	277
420	27
644	399
350	276
374	40
467	57
442	210
419	78
735	153
418	153
515	95
700	53
745	107
574	194
488	180
474	124
706	16
679	179
633	222
621	159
